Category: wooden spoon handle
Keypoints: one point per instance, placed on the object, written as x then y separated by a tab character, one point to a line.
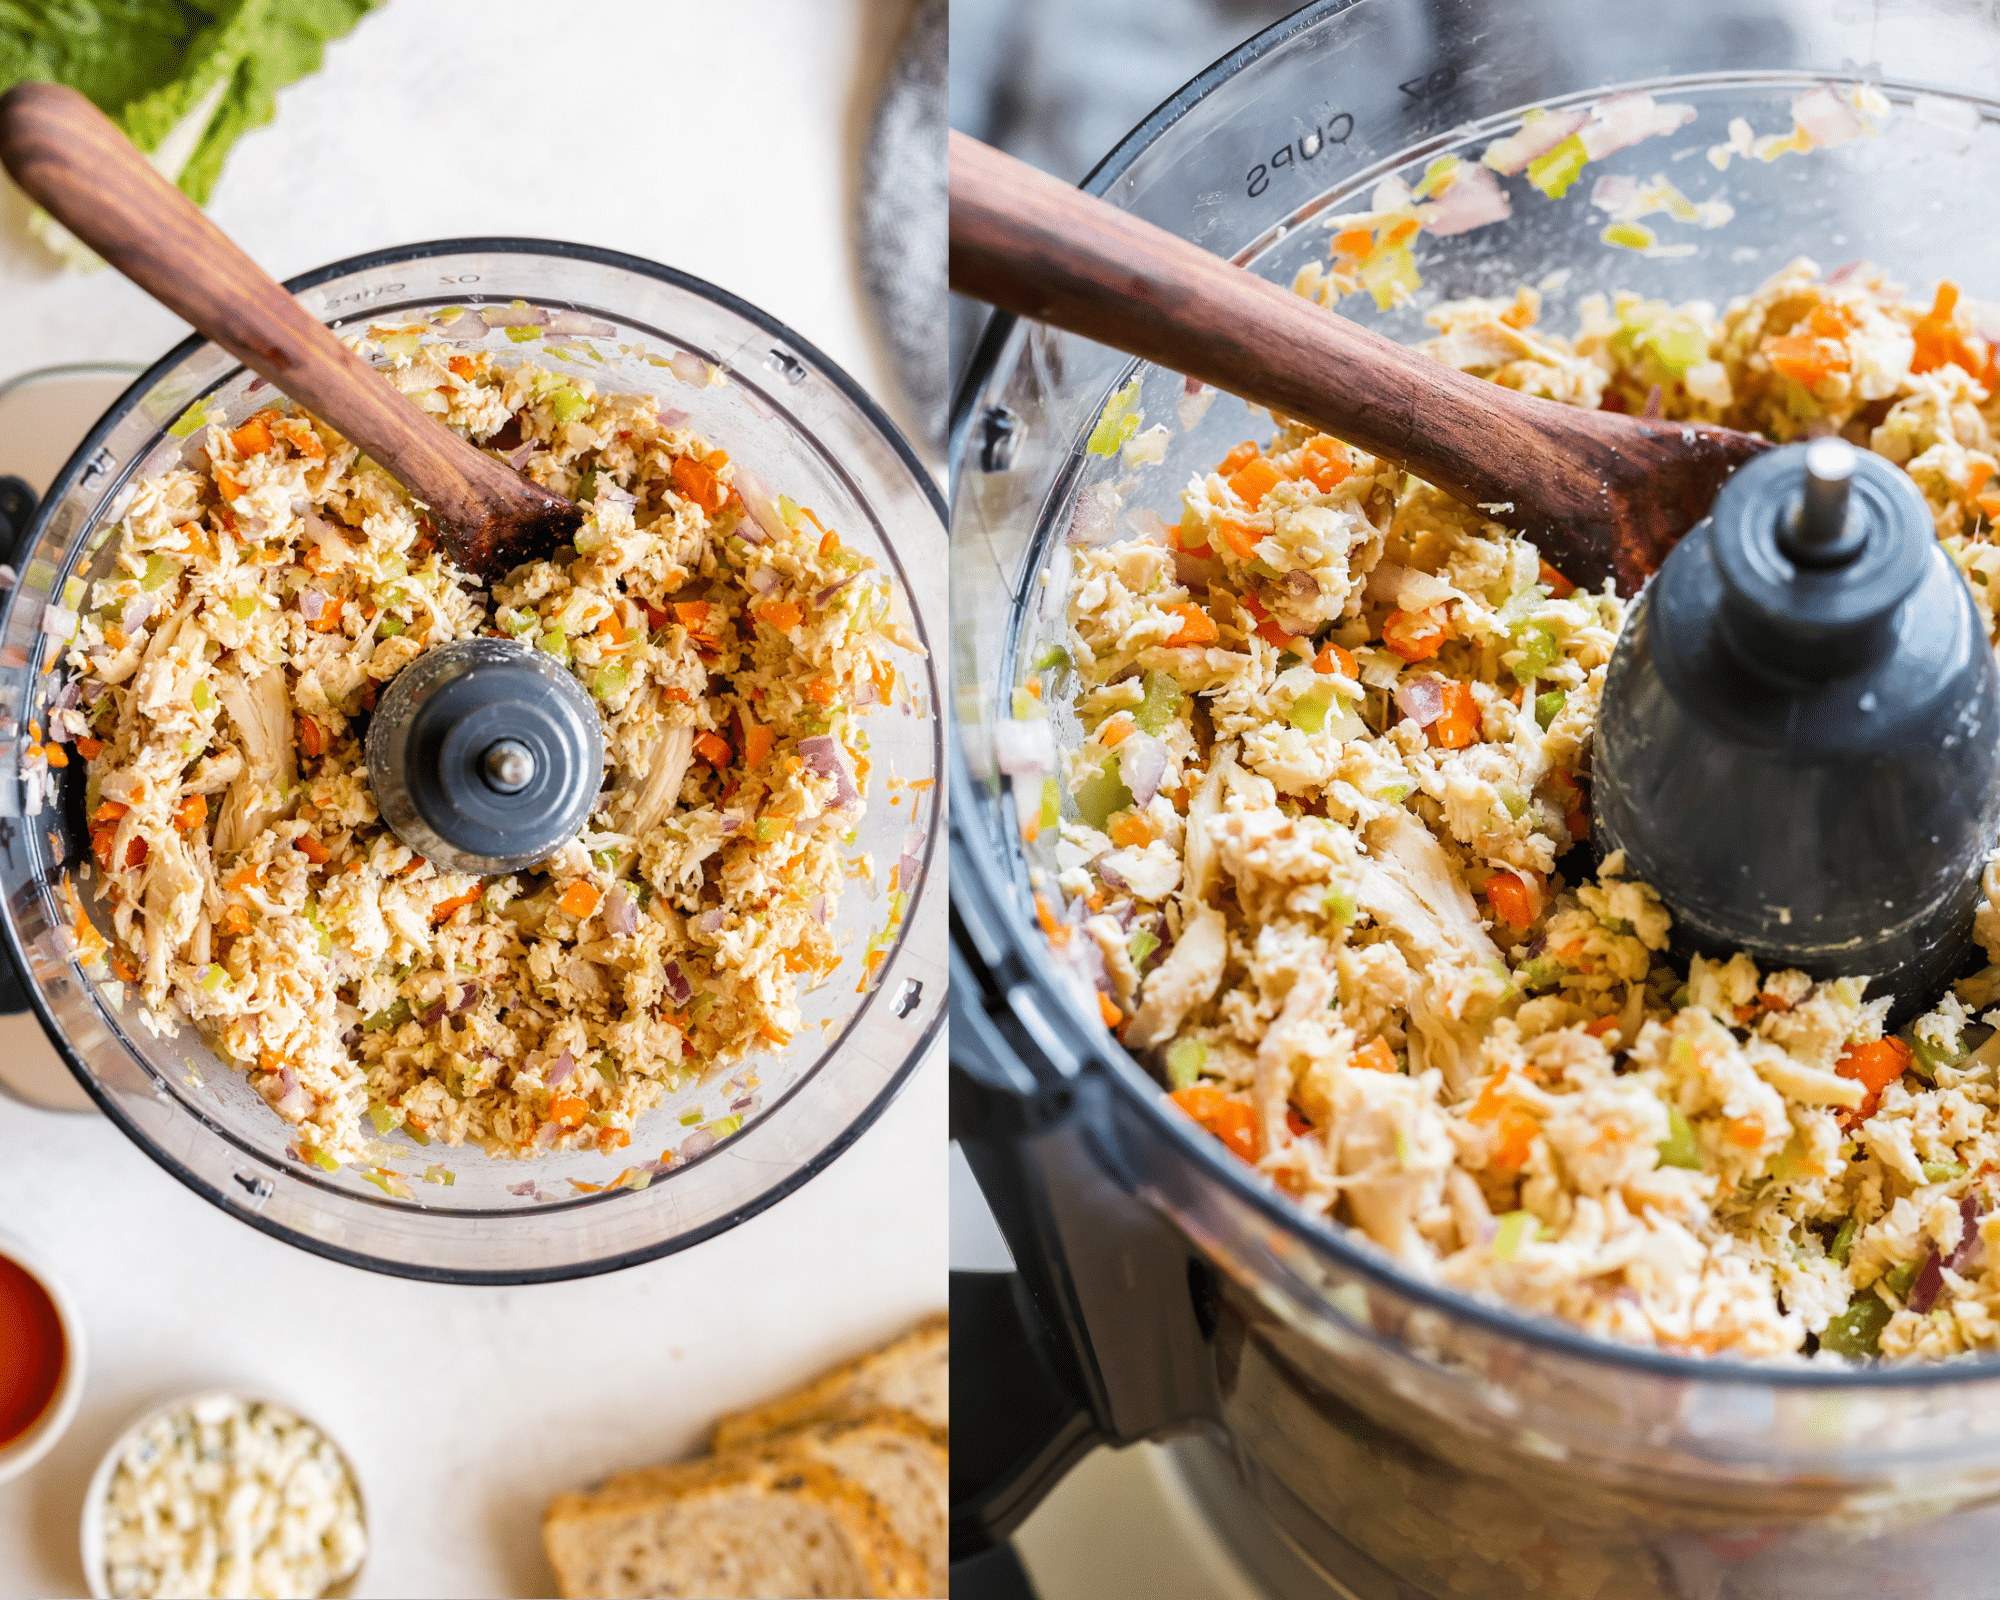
71	159
1029	244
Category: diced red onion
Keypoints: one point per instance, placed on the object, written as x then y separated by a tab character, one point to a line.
621	912
1150	526
1301	585
1930	1281
864	693
1103	868
1193	404
1421	699
58	622
910	863
832	589
820	907
1095	519
678	987
133	614
765	579
1471	200
764	521
747	1103
94	691
700	1142
1624	119
1142	763
1195	573
468	997
514	316
526	1189
560	1068
1652	410
8	577
707	925
730	822
1827	119
547	1134
611	494
312	604
1509	155
580	322
821	754
688	367
672	418
1609	194
1845	270
295	1101
1968	1233
70	694
658	1169
519	458
1024	746
435	1014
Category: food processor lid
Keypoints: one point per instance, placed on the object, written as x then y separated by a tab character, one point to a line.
801	1129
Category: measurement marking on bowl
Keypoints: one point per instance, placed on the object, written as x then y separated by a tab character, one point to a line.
787	366
907	997
1328	128
259	1189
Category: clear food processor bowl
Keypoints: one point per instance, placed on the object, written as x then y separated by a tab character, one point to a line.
802	425
1368	1434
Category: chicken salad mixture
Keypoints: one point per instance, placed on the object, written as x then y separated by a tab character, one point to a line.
1319	860
260	597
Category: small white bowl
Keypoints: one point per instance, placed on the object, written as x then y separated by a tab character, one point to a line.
25	1451
100	1484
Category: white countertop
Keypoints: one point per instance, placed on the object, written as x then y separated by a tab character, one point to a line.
693	134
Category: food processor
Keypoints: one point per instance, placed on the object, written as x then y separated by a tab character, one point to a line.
729	1143
1348	1429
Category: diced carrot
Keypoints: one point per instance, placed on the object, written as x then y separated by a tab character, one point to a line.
580	898
1513	902
713	749
1056	930
676	694
191	813
1559	586
568	1110
697	482
54	754
1801	357
120	969
90	749
821	690
1746	1132
1457	724
1034	685
771	1035
1401	233
1197	626
1517	1129
1231	1121
1351	244
1238	536
1334	659
612	630
311	739
757	741
462	367
1240	457
115	637
227	481
829	543
1577	820
309	846
1938	339
1874	1066
1116	730
236	920
1374	1055
1110	1013
444	908
1323	462
1129	831
243	877
610	1139
253	438
784	615
1601	1027
109	811
1416	635
136	852
1254	481
692	615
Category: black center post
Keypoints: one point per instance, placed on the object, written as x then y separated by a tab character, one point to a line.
1799	740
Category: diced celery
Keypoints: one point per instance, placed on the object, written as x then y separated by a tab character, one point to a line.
1538	973
1119	421
1027	706
393	566
690	1118
1161	705
1554	171
556	643
443	1175
189	420
1900	1278
586	487
701	1005
383	1118
1516	1229
521	333
1843	1241
1679	1148
1390	276
566	403
72	593
393	1015
202	696
416	1133
1631	235
391	625
1051	802
1675	342
1538	649
1515	801
514	623
213	977
723	1127
607	1069
1549	706
244	606
1103	793
1339	905
1926	1057
789	509
1185	1058
1402	1144
1141	945
1055	656
158	571
608	681
1943	1171
1393	794
1857	1332
1308	713
323	1159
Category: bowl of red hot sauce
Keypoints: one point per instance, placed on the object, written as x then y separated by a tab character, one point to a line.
41	1358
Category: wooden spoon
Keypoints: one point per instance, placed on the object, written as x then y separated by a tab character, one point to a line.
69	157
1602	495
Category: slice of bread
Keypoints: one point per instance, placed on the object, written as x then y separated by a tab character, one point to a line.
902	1464
911	1373
744	1528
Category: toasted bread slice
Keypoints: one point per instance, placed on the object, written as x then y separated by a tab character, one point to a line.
903	1464
911	1373
745	1528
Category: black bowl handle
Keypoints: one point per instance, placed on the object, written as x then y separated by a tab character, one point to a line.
1098	1336
17	516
